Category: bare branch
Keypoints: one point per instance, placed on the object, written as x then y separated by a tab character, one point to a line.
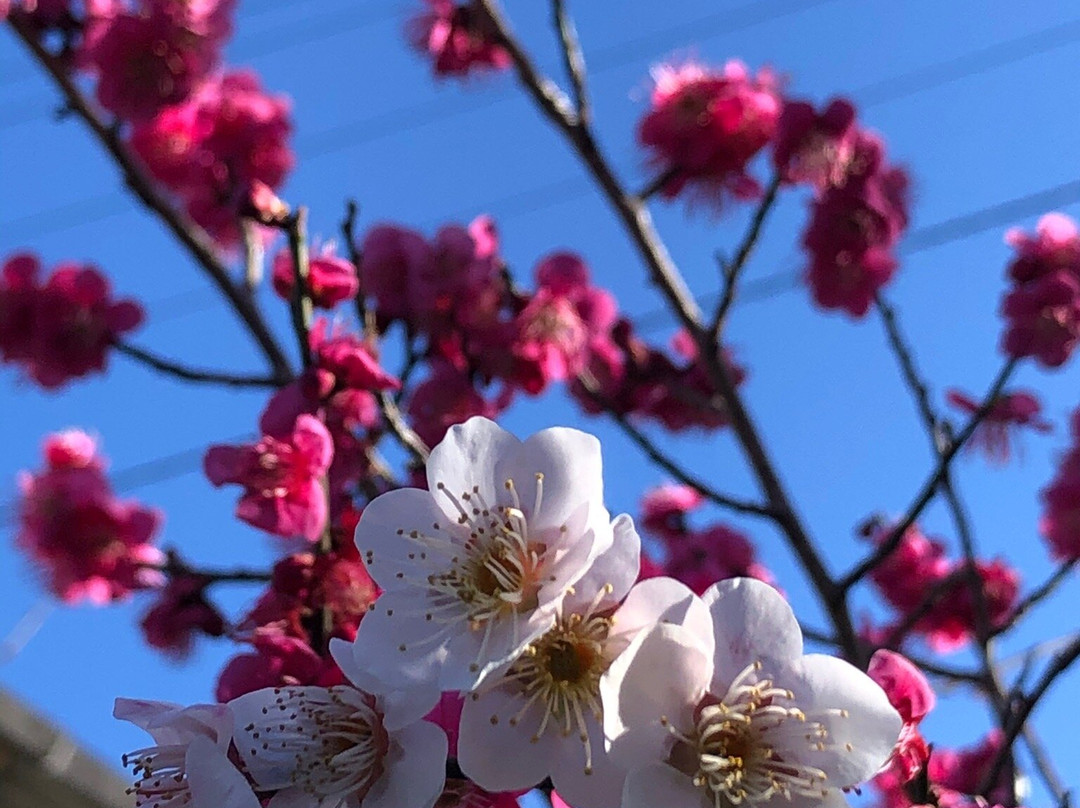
402	431
179	371
300	306
1038	595
574	59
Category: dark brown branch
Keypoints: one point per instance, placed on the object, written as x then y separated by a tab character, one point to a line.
175	369
573	59
400	430
300	306
189	234
1038	595
655	454
176	567
348	233
656	184
732	270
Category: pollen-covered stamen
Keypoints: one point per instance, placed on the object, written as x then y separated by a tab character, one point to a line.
161	780
560	675
332	739
750	745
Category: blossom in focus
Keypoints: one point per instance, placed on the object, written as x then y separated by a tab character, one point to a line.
476	567
458	37
181	612
63	328
88	544
331	279
282	478
815	147
1011	410
737	714
188	763
910	693
706	124
340	746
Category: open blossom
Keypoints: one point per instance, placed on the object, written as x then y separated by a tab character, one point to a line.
1055	246
340	747
63	328
815	147
910	693
331	279
179	614
88	544
706	124
738	715
543	716
1011	410
282	478
447	397
188	763
458	37
476	567
276	660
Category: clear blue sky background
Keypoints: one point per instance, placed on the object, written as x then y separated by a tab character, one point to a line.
372	124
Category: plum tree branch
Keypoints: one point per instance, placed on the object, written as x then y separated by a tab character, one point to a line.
180	371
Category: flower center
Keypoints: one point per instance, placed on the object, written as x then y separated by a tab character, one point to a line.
333	742
751	745
161	781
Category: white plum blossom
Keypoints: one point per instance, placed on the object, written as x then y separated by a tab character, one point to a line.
475	568
542	716
738	715
188	765
341	747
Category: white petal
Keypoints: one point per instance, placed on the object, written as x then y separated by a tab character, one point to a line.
661	785
213	780
570	462
661	600
468	456
871	726
603	787
833	798
294	798
663	674
618	566
751	622
465	668
497	755
172	724
394	642
415	769
399	707
382	537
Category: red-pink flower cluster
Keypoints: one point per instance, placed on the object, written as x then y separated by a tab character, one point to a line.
855	224
917	575
331	279
89	544
180	613
458	37
697	557
1042	309
1060	521
815	148
706	124
1009	412
60	328
217	149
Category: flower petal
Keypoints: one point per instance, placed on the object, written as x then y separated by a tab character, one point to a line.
617	566
214	780
398	645
751	621
603	786
663	674
499	755
415	769
467	457
662	600
660	784
400	707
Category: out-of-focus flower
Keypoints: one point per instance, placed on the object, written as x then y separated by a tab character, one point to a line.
458	37
815	147
1009	412
331	279
180	613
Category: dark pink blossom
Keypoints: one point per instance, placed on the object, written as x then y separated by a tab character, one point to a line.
1043	319
19	291
705	125
282	478
812	147
1054	247
664	508
458	37
1011	410
460	263
1060	521
963	771
448	397
905	575
276	661
952	621
350	360
180	613
389	256
700	558
88	544
905	685
331	279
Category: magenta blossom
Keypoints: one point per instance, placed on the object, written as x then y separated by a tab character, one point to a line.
180	613
812	147
282	478
1018	408
276	661
331	279
1055	246
664	508
1043	319
458	37
448	397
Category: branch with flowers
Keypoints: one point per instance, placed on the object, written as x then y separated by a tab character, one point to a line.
456	618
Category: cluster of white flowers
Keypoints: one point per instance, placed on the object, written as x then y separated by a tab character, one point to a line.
507	581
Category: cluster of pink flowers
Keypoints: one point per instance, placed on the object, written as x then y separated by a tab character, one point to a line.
859	210
705	125
1060	522
331	278
88	544
918	575
1042	308
697	557
60	328
457	37
180	613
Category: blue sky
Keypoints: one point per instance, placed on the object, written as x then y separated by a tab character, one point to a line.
976	100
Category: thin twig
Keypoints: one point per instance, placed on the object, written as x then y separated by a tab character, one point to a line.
663	461
1038	595
300	306
179	371
573	59
189	234
732	270
348	233
400	430
656	184
175	567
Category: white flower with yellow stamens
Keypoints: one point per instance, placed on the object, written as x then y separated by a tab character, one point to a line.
738	716
475	568
542	717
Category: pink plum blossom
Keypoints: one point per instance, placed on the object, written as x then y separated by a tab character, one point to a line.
332	279
1010	410
458	38
815	147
